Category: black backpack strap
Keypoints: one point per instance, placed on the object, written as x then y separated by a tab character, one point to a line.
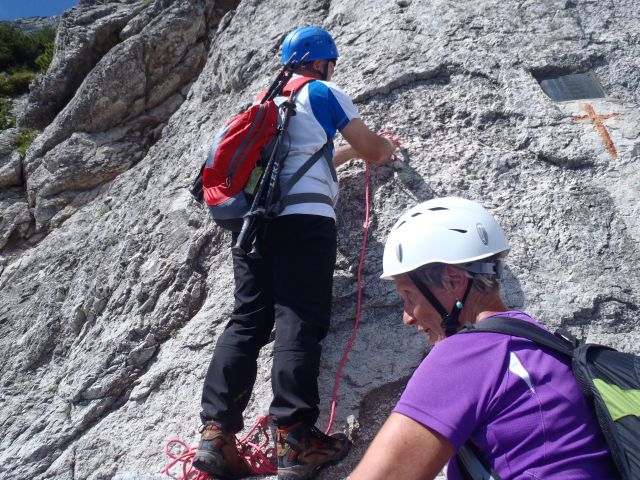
286	199
297	198
472	464
324	151
197	188
519	328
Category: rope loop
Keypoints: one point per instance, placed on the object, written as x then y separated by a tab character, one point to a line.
256	449
395	140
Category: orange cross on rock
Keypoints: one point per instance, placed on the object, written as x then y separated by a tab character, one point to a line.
600	127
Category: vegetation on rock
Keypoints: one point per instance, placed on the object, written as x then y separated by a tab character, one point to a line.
26	52
24	139
6	120
22	57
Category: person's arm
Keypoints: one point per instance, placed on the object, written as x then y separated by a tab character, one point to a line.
363	143
404	450
342	154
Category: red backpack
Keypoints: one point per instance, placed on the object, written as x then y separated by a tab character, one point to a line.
227	182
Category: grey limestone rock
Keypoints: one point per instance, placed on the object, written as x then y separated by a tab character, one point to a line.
111	307
10	160
15	217
160	52
33	24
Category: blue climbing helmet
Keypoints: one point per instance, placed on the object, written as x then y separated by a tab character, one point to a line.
315	40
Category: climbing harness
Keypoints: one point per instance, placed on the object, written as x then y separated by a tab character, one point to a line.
256	447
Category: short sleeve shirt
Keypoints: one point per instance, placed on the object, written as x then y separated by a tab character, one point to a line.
517	402
322	109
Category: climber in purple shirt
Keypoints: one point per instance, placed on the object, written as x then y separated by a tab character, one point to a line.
516	403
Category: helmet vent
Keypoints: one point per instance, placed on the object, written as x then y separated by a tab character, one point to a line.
459	230
437	209
416	214
482	232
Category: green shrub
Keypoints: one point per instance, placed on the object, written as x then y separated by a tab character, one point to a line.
44	39
44	59
15	47
21	58
21	51
6	119
104	209
25	138
16	82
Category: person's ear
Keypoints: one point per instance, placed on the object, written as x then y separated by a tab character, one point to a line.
455	280
318	65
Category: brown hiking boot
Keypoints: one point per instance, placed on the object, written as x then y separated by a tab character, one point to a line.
303	450
218	455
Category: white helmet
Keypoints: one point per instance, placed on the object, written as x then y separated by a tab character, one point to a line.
443	230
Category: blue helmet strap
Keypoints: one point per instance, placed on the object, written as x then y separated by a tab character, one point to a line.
450	322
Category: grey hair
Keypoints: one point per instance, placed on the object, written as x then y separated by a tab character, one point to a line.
432	275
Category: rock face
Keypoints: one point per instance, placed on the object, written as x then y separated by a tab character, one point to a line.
114	285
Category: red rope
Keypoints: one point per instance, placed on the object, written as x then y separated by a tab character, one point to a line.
256	448
186	458
395	140
365	235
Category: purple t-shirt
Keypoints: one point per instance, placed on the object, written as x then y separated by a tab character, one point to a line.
517	402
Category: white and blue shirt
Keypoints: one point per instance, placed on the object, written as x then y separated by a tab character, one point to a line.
322	109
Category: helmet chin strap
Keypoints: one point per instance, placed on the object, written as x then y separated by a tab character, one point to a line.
450	322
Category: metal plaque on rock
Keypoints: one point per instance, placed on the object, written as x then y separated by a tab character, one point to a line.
576	86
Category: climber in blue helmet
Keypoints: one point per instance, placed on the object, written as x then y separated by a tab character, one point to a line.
291	285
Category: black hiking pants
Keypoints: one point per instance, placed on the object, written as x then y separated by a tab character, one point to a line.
290	287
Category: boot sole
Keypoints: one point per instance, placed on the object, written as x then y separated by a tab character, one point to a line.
307	472
214	465
209	463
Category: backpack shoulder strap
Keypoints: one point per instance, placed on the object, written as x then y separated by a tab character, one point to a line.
520	328
472	464
296	84
286	199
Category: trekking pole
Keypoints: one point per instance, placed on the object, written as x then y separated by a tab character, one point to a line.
248	240
251	222
289	107
283	77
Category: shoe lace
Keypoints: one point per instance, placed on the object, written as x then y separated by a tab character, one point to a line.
316	432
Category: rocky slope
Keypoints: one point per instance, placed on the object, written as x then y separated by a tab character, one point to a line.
114	285
33	24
